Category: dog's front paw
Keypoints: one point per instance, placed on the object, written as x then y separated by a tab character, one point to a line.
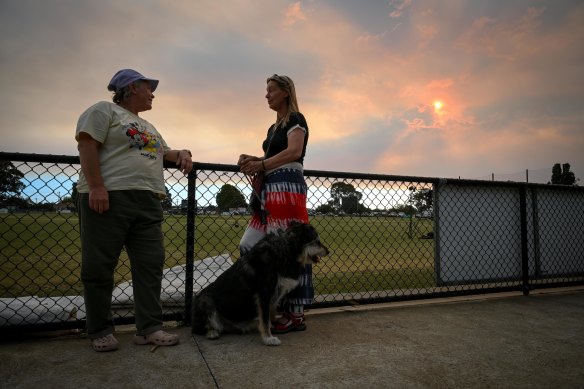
272	341
213	334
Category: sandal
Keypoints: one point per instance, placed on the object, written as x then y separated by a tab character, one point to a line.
291	323
158	338
105	343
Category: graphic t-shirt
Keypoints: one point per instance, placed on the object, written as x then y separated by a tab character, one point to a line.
132	150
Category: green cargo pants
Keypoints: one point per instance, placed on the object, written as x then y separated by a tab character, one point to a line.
134	221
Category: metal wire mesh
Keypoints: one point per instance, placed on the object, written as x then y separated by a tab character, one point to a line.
390	238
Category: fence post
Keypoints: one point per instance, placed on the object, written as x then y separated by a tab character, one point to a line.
190	249
524	242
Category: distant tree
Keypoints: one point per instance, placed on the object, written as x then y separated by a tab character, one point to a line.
68	201
556	174
74	193
422	200
10	185
45	207
167	201
349	204
344	197
74	197
561	175
18	202
325	208
230	197
568	177
408	209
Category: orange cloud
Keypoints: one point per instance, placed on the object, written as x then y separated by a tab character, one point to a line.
293	14
440	84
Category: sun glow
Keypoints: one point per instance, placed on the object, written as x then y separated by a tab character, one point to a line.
438	105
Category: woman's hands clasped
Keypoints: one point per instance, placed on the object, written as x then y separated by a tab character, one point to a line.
249	164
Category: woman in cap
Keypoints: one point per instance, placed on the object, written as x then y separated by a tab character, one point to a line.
120	187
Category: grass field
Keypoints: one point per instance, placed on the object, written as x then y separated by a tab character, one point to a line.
40	253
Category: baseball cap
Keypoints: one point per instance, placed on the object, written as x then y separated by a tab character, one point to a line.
125	77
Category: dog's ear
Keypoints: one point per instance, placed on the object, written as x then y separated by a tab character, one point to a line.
295	228
302	232
294	223
296	232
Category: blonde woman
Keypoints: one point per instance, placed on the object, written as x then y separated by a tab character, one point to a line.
283	195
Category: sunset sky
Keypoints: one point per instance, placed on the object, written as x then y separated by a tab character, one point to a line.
440	88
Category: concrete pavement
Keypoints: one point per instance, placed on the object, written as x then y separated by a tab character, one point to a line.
488	341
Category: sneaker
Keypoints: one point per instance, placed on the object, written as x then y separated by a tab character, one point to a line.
289	322
105	343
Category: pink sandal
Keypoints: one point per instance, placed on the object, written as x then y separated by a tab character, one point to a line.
105	343
158	338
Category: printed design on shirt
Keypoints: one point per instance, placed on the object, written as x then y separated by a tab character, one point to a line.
142	139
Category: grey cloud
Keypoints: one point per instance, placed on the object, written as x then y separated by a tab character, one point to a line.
352	66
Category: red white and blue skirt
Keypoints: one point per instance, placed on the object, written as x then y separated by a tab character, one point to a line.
284	201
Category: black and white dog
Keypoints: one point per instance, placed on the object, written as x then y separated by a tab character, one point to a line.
253	286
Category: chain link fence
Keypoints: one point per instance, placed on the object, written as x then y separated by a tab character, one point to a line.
390	237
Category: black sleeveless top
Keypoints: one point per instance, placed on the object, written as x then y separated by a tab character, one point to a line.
279	140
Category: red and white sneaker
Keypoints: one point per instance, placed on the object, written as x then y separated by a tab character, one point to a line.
289	322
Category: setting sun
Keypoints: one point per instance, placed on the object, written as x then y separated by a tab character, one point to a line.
438	105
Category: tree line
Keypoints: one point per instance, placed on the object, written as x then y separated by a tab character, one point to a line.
344	197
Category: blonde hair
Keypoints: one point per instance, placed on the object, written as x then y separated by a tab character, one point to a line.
287	85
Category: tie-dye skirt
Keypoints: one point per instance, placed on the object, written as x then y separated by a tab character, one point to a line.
284	198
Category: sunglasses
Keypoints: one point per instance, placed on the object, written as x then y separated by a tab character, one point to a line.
282	80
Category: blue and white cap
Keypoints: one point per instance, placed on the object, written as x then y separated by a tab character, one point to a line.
125	77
